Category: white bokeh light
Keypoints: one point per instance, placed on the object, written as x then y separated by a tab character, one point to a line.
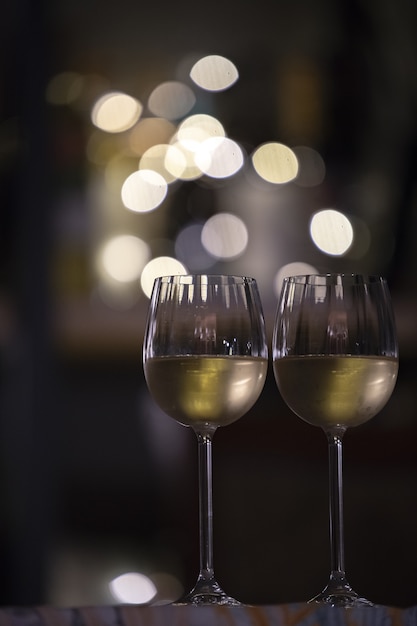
144	191
225	236
159	266
198	128
133	588
219	157
331	231
123	257
115	112
214	73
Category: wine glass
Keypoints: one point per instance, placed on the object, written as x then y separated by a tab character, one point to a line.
335	359
205	362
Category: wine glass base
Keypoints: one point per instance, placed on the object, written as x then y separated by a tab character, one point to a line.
339	593
207	593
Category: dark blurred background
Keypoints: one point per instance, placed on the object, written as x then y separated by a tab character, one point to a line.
94	480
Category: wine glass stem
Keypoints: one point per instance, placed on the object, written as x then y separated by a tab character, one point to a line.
337	555
205	479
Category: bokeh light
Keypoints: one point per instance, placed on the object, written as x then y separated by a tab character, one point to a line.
144	191
155	158
219	157
133	588
225	236
123	257
180	161
296	268
150	131
115	112
171	100
160	266
197	128
331	231
275	163
190	250
214	73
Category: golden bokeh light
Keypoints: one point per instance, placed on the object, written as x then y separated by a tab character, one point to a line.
214	73
148	132
275	163
171	100
123	257
155	158
219	157
159	266
116	112
144	191
180	161
331	231
225	236
133	588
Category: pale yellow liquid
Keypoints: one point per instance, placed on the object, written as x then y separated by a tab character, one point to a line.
328	391
205	389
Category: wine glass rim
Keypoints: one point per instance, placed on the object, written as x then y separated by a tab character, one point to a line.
185	278
334	277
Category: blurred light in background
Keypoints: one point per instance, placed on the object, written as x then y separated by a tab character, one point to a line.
219	157
275	163
190	250
115	112
133	588
148	132
296	268
159	156
171	100
225	236
144	191
214	73
331	231
180	160
197	128
124	257
160	266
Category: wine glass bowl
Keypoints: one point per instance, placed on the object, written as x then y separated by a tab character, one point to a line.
205	363
335	361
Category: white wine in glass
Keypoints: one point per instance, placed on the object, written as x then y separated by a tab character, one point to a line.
205	362
335	359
